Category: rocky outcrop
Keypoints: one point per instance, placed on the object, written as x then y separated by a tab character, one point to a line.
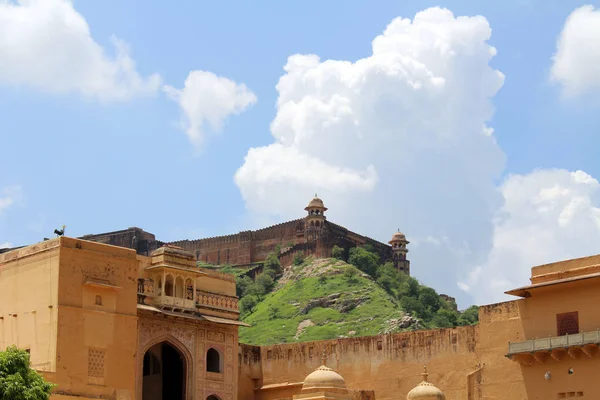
336	302
404	323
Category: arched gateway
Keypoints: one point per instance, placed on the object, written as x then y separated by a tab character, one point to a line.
164	373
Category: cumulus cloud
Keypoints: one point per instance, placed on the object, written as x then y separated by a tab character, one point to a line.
206	100
10	195
395	139
547	216
47	44
575	64
5	245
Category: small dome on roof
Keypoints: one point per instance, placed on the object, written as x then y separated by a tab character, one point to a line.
425	390
316	203
324	378
398	237
171	250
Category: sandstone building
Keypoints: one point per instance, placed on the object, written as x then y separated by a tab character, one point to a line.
103	322
311	235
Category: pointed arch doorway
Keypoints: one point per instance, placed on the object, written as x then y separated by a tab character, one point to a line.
164	373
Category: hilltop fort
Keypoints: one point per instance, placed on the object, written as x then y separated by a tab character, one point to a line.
312	235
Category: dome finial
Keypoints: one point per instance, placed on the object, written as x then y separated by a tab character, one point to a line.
425	373
324	357
316	195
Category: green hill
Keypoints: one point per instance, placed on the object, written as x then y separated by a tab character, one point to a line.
351	295
321	299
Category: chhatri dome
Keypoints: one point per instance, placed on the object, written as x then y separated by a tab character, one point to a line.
324	379
425	390
398	236
316	203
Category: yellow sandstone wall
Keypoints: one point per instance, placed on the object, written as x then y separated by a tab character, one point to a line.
97	343
538	315
467	363
28	301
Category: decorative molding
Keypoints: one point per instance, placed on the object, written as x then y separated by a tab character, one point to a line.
151	330
215	336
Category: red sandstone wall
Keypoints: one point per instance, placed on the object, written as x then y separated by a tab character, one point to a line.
244	247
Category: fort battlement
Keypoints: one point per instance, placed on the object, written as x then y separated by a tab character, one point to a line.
311	235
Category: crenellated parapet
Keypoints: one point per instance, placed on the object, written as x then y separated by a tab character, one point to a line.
247	247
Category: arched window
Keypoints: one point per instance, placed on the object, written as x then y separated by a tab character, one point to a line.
317	224
169	286
213	397
179	287
98	300
213	360
312	223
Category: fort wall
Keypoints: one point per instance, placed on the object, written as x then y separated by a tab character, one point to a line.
469	363
244	247
248	247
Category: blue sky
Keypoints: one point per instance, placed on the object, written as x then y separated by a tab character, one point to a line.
104	164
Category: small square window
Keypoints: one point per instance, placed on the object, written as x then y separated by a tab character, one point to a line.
98	300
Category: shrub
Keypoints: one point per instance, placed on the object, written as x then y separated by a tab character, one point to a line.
350	275
298	259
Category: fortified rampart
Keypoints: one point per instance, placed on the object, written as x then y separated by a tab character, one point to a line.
311	235
468	362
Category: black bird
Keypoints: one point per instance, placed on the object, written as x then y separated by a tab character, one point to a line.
60	232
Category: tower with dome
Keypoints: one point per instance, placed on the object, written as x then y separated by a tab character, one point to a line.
311	235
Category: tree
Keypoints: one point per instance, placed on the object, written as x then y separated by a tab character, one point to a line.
272	264
444	318
364	260
242	284
17	380
470	316
298	259
430	299
410	287
264	283
337	252
247	304
413	306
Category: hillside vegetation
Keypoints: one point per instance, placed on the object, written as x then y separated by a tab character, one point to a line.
333	298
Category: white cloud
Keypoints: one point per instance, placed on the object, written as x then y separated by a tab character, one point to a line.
396	139
47	44
575	64
10	195
5	245
548	215
208	99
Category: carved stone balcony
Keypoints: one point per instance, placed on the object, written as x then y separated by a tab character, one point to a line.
216	301
578	345
147	294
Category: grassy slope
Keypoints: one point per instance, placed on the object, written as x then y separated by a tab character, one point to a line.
276	318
